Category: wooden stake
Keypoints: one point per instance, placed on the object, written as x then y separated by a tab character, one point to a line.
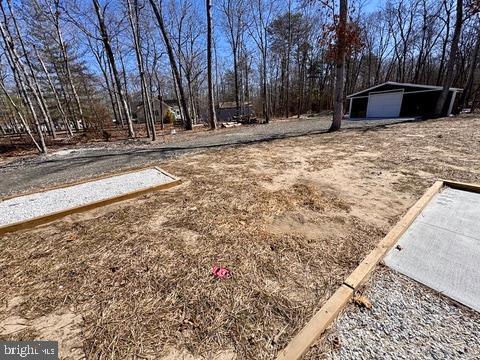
317	325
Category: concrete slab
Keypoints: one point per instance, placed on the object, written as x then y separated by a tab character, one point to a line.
441	248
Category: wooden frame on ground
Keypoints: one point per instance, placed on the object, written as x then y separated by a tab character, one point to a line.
320	322
40	220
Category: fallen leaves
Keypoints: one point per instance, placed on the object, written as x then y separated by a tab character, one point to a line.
362	301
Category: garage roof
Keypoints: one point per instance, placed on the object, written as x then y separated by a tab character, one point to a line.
426	87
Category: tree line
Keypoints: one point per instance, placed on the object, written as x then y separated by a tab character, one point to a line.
67	66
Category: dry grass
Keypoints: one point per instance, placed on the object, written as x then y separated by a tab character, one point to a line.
290	219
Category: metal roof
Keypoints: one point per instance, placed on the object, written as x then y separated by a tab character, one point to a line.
430	87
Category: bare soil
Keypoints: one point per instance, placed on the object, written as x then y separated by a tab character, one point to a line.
290	218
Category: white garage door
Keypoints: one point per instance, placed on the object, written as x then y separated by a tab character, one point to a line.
385	105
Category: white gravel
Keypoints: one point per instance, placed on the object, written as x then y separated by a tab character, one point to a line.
407	321
39	204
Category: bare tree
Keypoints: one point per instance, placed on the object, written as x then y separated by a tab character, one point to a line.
133	16
468	90
449	77
340	66
234	23
38	93
105	70
189	51
20	115
448	8
55	18
173	63
22	80
211	102
261	13
108	49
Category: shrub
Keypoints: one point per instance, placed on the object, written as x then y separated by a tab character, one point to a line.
106	135
169	117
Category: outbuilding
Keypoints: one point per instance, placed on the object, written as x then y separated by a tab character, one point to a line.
398	100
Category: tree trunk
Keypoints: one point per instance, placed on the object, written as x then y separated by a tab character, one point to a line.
212	119
445	43
177	97
111	58
340	67
19	71
125	84
193	112
266	108
467	93
441	103
66	64
106	76
65	95
235	73
217	87
37	91
22	119
475	103
160	110
287	60
115	93
159	16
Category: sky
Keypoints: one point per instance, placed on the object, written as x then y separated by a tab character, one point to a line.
372	5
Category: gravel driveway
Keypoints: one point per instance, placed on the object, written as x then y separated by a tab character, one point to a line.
41	171
407	321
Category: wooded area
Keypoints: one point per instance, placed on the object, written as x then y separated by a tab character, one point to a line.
68	66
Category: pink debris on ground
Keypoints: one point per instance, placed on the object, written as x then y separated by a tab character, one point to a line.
220	272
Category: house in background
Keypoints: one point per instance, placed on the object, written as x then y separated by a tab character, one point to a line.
173	104
396	100
227	110
160	107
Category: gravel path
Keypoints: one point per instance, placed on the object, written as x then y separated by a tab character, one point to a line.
39	204
22	175
407	321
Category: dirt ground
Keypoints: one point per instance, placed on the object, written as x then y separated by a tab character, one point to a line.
290	218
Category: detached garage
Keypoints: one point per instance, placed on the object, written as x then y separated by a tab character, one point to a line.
394	100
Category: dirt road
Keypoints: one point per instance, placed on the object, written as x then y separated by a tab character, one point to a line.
40	171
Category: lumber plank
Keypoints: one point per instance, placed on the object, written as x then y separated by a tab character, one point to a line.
361	274
166	173
300	344
462	186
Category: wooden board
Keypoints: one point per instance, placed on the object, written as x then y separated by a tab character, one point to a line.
462	186
317	325
27	224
